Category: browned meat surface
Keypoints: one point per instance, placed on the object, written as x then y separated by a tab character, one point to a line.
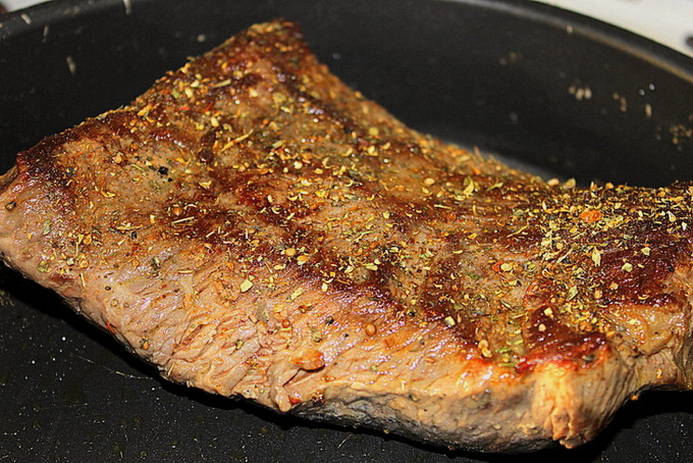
255	228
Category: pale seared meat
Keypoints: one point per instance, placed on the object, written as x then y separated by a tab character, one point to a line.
255	228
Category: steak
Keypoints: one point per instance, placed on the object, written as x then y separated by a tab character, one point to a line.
256	229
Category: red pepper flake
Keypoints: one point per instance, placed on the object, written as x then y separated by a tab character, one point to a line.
591	216
110	328
502	266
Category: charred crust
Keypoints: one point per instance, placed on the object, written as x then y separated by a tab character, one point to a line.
550	341
41	161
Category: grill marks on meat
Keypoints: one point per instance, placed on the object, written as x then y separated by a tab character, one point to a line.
254	227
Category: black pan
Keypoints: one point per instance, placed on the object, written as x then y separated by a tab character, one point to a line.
560	93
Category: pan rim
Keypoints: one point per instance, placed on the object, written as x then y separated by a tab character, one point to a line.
36	17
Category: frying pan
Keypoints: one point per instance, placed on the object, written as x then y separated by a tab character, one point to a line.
556	92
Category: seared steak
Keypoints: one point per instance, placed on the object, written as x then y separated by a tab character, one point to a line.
257	229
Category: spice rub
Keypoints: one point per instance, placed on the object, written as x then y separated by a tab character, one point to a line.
254	227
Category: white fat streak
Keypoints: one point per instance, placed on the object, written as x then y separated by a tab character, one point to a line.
128	6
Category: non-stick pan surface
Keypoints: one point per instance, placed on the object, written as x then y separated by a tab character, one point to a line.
563	94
